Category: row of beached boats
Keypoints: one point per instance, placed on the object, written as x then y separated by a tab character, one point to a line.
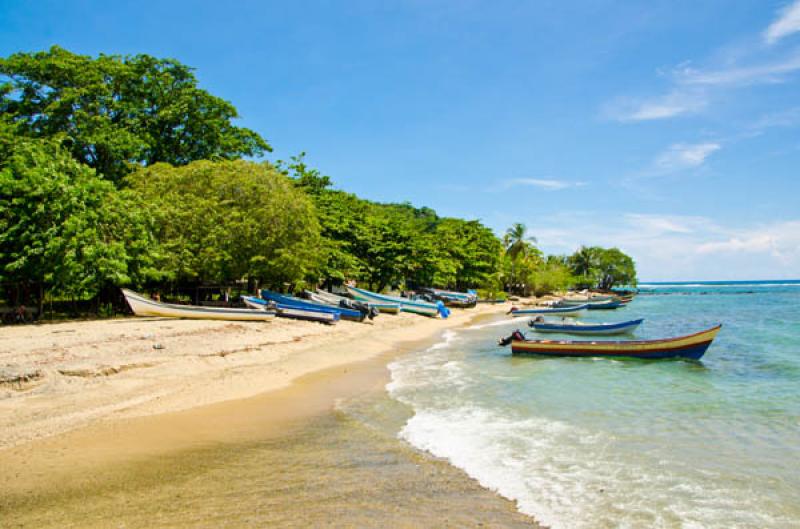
691	346
360	305
319	306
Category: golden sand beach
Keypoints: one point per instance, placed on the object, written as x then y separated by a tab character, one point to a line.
174	423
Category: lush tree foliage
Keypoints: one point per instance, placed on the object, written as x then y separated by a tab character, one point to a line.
114	112
64	228
602	267
122	171
229	220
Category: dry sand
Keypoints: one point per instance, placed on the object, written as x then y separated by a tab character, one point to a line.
59	377
220	424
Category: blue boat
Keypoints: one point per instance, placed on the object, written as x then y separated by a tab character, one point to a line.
283	310
605	305
344	313
406	305
539	324
544	311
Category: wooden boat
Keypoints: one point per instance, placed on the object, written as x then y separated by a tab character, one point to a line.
406	305
691	346
320	296
142	306
344	313
605	305
539	324
462	300
544	311
569	301
289	311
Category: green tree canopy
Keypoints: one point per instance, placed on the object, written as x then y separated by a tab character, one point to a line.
602	267
229	220
64	228
114	112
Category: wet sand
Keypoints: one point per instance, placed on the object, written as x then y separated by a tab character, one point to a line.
296	456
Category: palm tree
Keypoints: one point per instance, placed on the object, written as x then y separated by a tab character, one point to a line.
584	262
517	244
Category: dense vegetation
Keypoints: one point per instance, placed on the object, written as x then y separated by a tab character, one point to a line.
121	171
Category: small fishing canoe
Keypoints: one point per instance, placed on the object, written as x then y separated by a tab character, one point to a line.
462	300
605	305
290	311
142	306
580	300
545	311
321	296
691	346
575	327
344	313
406	305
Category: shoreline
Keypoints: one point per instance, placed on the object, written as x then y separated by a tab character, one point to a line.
61	376
235	408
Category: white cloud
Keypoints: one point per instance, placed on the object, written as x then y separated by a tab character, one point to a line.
679	247
787	23
546	184
785	118
770	72
673	104
780	240
660	224
691	89
685	156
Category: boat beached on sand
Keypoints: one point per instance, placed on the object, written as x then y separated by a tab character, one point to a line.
142	306
406	305
352	313
290	311
690	346
539	324
321	296
463	300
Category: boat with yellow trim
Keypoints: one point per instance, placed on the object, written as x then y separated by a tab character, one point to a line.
691	346
142	306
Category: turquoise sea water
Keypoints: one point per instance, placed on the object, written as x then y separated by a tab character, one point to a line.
627	443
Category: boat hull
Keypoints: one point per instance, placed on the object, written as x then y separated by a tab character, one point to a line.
334	300
545	311
605	305
601	329
344	313
293	312
406	305
692	346
142	306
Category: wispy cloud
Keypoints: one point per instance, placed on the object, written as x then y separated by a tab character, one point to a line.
685	156
545	184
675	247
676	103
788	22
770	72
785	118
691	89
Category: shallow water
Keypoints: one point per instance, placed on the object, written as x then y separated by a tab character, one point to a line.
627	443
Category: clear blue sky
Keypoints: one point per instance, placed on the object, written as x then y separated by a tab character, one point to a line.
668	128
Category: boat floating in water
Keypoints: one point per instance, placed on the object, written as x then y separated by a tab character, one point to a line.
544	311
690	346
291	311
539	324
142	306
406	305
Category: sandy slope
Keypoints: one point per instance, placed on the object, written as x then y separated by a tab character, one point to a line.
58	377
